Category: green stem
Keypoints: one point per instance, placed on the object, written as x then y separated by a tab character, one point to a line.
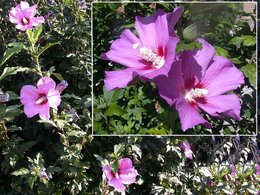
34	55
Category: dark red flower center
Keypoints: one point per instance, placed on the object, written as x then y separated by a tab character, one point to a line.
25	21
42	99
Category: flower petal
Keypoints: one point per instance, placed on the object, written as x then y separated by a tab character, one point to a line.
23	5
128	176
108	172
173	18
45	84
189	115
122	51
119	78
117	184
45	112
54	99
29	94
31	109
125	163
228	105
153	30
30	12
36	21
196	62
15	16
222	76
170	87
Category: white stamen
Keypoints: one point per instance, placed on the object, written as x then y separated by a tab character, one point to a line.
25	21
195	93
41	100
150	56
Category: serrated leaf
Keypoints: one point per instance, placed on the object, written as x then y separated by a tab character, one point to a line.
16	48
31	181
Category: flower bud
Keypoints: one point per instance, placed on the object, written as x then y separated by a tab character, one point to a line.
61	86
4	97
190	33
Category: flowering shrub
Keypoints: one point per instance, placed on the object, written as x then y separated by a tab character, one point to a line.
194	80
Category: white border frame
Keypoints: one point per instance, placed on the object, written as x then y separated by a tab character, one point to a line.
172	135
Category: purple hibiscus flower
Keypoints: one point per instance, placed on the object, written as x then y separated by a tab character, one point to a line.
23	16
149	55
126	174
185	146
198	80
39	100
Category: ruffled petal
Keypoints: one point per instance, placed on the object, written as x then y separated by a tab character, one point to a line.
228	105
54	99
45	112
29	94
222	76
171	86
117	184
153	30
124	52
45	84
189	115
119	78
31	109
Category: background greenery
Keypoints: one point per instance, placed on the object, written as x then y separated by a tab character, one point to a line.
138	109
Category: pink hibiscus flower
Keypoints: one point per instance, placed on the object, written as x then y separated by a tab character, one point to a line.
24	16
185	146
39	100
126	174
198	80
149	55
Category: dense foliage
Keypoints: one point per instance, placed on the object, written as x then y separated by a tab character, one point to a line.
138	108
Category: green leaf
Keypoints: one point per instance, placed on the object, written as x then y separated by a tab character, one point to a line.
249	40
31	181
115	109
250	71
221	52
36	33
11	71
235	41
43	49
14	49
22	171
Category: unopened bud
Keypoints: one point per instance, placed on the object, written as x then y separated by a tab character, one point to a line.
4	97
61	86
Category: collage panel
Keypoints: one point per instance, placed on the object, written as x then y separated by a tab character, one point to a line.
174	68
